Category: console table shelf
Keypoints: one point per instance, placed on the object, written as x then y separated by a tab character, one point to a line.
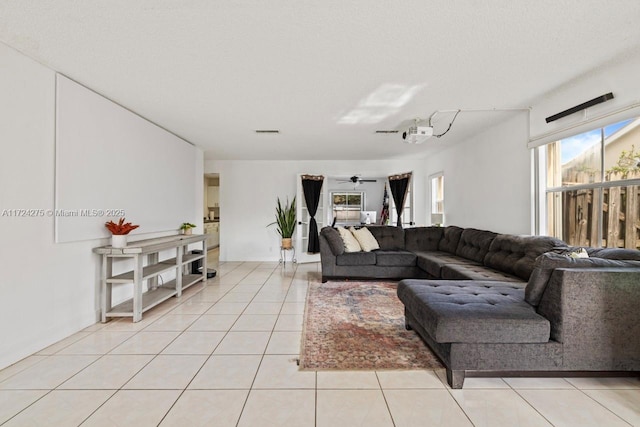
149	249
187	280
149	300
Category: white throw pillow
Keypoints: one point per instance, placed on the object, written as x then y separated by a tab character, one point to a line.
367	242
350	242
580	253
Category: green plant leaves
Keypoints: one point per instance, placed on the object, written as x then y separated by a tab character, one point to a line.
285	218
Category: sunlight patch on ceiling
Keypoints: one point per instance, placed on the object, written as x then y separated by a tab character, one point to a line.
380	104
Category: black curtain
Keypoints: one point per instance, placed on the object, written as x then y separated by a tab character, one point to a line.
398	185
311	186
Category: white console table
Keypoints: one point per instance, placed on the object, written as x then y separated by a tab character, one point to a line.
155	294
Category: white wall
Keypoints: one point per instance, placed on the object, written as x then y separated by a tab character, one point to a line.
47	290
619	76
126	161
248	192
487	179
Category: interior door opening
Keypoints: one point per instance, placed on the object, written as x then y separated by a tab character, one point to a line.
211	216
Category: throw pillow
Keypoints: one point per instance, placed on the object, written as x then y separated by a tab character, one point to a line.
366	240
580	253
350	242
333	239
571	251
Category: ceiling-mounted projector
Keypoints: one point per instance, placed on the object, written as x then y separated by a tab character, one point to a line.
417	134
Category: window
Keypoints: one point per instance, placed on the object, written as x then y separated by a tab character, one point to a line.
346	207
437	198
593	186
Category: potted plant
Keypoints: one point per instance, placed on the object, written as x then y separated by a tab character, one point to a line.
119	232
186	228
285	221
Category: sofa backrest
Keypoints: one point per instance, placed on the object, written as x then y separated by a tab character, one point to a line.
474	244
422	238
614	253
517	254
548	262
388	237
450	239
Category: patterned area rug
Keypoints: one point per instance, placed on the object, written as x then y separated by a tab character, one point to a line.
359	325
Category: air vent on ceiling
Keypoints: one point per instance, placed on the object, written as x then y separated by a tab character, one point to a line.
267	131
387	131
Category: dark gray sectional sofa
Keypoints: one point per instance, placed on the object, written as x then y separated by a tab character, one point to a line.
498	304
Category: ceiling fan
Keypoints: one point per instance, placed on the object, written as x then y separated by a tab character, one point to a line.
356	180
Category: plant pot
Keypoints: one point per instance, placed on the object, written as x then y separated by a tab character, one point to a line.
187	231
118	240
286	243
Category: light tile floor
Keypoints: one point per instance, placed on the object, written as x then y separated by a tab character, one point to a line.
224	354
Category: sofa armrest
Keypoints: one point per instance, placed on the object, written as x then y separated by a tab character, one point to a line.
595	313
327	259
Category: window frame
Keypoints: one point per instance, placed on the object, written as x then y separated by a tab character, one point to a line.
346	193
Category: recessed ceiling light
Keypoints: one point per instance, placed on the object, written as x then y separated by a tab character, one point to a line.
267	131
387	131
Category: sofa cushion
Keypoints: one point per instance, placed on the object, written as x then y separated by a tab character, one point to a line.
366	240
477	272
395	258
350	242
546	263
356	258
422	238
450	239
333	239
516	255
432	262
388	237
474	244
473	311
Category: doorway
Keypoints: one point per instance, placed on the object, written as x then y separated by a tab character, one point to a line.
211	215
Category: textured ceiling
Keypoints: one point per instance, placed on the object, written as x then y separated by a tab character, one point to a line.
326	74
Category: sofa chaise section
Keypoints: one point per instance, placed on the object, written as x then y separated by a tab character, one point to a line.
590	307
473	311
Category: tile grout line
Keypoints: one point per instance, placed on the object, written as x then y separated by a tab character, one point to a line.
599	403
393	421
529	403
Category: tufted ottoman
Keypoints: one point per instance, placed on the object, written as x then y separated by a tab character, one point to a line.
470	312
473	311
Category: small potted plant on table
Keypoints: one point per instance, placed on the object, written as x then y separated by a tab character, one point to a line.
186	228
119	232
